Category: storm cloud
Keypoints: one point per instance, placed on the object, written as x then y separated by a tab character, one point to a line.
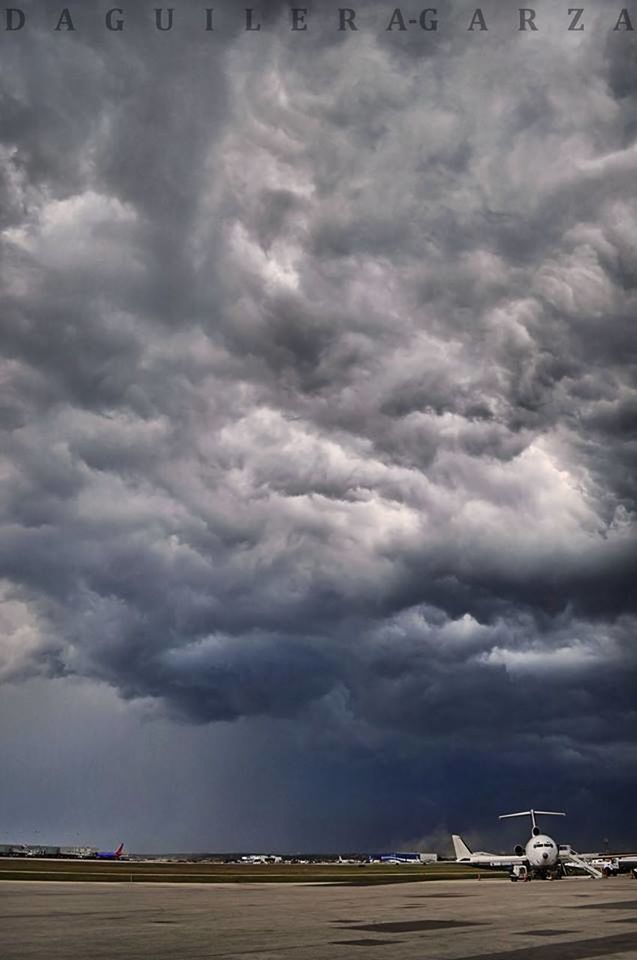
319	380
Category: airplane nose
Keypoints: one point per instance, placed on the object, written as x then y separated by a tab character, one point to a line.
545	856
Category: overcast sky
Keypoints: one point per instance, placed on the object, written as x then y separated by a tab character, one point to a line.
318	409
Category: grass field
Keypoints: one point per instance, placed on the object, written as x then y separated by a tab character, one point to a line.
173	872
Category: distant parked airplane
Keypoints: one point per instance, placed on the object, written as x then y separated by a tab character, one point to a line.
261	858
111	854
406	858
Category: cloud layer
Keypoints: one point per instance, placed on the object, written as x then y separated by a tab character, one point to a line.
319	395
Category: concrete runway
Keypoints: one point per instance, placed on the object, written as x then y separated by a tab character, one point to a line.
495	920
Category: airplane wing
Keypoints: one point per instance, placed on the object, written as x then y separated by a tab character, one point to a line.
502	863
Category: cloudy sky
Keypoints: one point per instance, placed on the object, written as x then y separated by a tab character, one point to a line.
318	409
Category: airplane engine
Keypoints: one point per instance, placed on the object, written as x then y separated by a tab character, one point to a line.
519	850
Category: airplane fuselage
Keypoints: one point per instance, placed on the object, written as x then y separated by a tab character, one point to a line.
542	852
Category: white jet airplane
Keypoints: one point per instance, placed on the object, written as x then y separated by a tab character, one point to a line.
541	856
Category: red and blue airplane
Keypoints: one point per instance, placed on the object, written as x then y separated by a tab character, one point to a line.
111	854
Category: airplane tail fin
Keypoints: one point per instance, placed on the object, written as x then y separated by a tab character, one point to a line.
531	814
119	850
460	847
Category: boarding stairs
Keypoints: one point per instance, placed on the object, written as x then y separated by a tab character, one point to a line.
574	860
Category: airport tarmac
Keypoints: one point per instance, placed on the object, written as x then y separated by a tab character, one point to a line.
567	920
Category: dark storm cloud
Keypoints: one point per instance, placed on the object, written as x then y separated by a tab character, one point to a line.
320	380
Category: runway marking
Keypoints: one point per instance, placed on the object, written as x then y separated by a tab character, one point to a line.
404	926
543	933
367	942
444	896
616	905
571	950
